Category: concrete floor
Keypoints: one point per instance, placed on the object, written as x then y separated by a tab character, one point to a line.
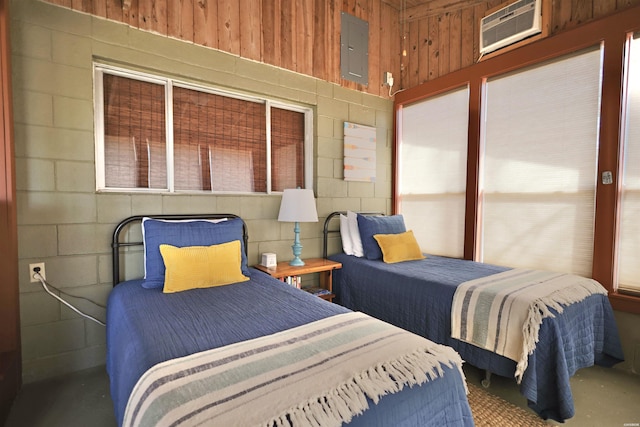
77	400
603	398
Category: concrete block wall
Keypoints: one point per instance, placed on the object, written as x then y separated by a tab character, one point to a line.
65	223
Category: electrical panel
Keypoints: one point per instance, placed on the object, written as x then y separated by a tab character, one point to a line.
354	49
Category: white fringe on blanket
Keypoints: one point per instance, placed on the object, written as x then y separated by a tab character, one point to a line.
541	309
349	399
318	374
486	312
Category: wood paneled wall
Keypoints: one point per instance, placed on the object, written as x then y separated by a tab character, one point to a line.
612	31
442	36
418	44
298	35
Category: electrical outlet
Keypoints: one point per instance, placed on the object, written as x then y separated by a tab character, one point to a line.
32	271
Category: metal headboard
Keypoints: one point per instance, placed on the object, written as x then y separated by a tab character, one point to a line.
326	231
117	244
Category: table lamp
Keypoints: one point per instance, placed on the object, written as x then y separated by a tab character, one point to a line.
298	205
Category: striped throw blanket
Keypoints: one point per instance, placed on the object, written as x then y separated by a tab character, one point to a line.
317	374
503	312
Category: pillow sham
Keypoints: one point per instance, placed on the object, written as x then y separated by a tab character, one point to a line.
372	225
185	233
399	247
345	235
197	267
354	232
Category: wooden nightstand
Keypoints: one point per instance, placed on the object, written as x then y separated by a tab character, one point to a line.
325	267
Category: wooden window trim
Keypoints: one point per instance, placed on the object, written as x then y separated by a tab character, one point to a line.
612	31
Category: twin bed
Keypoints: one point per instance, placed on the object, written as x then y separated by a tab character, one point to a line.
418	295
251	350
205	339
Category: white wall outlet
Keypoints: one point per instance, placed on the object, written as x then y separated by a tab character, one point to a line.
32	271
388	78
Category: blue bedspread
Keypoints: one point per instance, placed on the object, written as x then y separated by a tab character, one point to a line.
417	296
145	327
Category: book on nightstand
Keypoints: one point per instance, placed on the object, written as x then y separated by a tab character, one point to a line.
294	281
317	291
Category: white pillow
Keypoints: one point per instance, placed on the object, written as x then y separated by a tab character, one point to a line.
345	235
354	231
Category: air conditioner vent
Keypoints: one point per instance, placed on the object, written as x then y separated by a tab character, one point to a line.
510	24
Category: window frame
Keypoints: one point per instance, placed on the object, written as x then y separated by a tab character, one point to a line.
99	69
612	31
402	194
624	289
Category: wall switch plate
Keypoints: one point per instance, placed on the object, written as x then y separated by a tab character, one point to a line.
387	78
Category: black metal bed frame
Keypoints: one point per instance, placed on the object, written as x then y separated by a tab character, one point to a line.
117	244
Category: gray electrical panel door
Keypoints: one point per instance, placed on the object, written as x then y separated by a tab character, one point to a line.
354	49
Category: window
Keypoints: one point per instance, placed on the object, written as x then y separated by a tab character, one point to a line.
629	241
432	165
159	134
134	134
538	175
287	153
581	223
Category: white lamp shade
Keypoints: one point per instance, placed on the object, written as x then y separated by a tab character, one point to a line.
298	205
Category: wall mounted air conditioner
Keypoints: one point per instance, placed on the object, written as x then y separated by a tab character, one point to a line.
510	24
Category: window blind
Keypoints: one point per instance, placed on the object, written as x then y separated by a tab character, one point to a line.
135	133
219	142
287	149
629	231
538	170
432	168
156	133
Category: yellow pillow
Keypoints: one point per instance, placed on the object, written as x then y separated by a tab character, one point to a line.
194	267
398	247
